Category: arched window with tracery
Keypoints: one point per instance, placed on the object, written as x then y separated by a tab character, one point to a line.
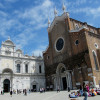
95	60
18	68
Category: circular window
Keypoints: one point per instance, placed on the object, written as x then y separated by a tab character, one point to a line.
76	42
59	44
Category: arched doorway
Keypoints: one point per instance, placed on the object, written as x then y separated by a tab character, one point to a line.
62	78
6	85
34	86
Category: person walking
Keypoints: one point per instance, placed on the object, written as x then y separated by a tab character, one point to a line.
85	93
1	93
81	90
68	89
25	92
11	93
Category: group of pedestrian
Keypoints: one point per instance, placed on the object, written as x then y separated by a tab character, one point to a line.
42	90
25	92
11	93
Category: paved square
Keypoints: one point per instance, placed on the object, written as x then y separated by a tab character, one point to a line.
63	95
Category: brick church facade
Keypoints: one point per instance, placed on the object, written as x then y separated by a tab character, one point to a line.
73	54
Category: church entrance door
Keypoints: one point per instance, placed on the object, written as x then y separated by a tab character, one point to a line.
64	83
34	88
6	85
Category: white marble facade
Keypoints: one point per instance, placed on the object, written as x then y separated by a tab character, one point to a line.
19	71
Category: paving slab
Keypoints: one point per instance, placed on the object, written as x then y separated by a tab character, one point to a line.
53	95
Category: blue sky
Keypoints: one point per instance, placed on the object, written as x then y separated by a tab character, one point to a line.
25	21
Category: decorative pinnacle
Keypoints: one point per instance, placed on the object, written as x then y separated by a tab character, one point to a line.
63	7
55	12
48	22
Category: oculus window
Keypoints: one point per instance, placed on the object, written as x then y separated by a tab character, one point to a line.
59	44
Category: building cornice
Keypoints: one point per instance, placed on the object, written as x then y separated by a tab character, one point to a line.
21	58
94	35
24	74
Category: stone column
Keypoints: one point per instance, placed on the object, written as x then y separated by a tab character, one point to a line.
60	87
2	79
70	83
94	81
21	68
67	80
57	81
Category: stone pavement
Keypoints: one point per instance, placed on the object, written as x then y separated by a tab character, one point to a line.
63	95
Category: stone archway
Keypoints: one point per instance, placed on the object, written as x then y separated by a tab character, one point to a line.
6	85
34	86
60	67
7	75
62	78
7	70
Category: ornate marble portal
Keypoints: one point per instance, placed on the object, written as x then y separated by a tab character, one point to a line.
62	78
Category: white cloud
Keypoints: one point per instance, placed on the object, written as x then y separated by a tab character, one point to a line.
38	15
39	50
22	39
8	24
34	18
75	7
3	14
94	12
74	3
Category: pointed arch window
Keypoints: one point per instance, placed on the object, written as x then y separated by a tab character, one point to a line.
95	60
40	71
26	68
18	68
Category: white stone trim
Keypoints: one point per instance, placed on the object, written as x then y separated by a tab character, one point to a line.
83	27
94	52
56	42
